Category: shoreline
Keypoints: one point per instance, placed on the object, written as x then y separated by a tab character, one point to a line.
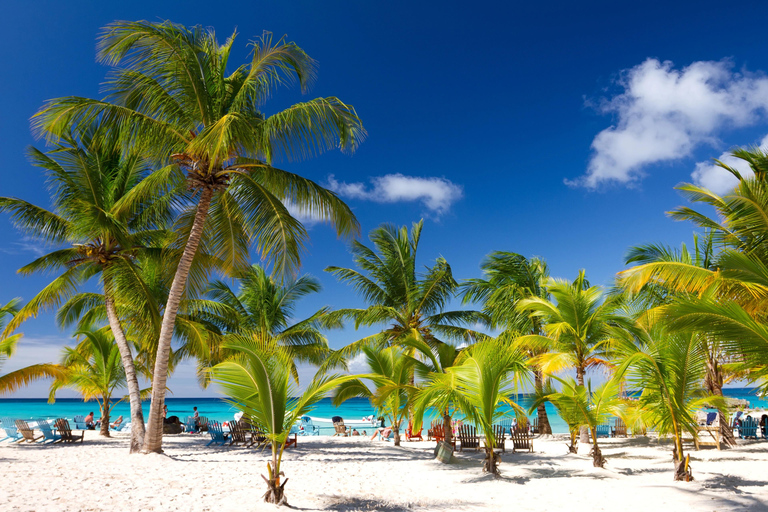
350	474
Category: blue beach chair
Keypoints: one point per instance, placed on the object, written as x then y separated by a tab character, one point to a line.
190	424
748	428
11	432
48	433
309	428
218	436
603	430
79	422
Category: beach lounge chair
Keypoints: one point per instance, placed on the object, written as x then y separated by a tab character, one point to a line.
48	433
11	432
748	428
190	424
338	425
216	431
603	430
28	433
295	440
79	422
499	434
435	431
535	425
239	433
468	437
619	428
308	428
62	425
202	424
410	436
521	441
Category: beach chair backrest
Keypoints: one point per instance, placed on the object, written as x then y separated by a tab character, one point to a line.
9	425
521	441
79	422
66	432
748	427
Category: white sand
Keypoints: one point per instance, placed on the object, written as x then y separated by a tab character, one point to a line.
357	474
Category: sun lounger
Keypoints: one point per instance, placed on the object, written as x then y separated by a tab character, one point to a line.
48	433
748	428
239	433
202	424
79	422
218	436
190	424
11	432
435	431
708	436
341	429
308	428
66	433
410	436
468	437
521	441
26	432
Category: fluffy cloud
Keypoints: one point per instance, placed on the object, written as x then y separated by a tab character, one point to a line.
717	179
664	113
436	194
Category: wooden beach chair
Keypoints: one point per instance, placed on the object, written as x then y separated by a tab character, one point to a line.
468	437
48	433
62	425
435	431
499	434
521	441
239	433
341	429
523	425
535	425
295	440
410	436
619	428
26	432
218	436
709	436
11	432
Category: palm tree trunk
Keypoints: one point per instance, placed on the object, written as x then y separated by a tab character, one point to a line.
544	427
682	463
153	440
584	431
104	427
276	491
714	384
132	381
447	430
597	456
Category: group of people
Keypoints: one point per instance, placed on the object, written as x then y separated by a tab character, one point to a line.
92	424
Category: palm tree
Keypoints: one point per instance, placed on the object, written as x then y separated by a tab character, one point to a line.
584	407
390	371
260	385
103	230
7	343
669	369
483	383
175	101
508	278
578	328
263	310
409	303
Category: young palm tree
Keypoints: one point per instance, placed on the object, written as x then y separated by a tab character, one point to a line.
102	231
260	385
176	100
483	383
579	325
409	303
669	369
584	407
263	310
390	371
509	278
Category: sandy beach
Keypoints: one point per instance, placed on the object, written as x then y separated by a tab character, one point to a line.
355	474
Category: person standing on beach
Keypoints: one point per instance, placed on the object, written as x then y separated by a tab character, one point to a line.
197	419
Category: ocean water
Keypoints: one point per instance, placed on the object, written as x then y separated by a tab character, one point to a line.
219	410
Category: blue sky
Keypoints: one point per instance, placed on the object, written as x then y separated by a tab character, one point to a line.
557	129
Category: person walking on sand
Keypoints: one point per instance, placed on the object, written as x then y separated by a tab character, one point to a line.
197	419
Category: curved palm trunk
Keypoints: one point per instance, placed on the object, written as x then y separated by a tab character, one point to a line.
104	427
132	381
682	463
447	430
584	431
714	383
492	460
541	411
153	440
597	456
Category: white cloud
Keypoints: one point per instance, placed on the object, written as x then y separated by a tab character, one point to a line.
436	194
664	113
717	179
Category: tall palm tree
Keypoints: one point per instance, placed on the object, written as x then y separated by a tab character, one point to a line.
390	371
175	100
260	385
409	303
578	326
264	310
8	343
101	231
585	407
483	383
669	369
509	278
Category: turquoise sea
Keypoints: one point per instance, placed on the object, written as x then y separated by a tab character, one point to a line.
218	409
